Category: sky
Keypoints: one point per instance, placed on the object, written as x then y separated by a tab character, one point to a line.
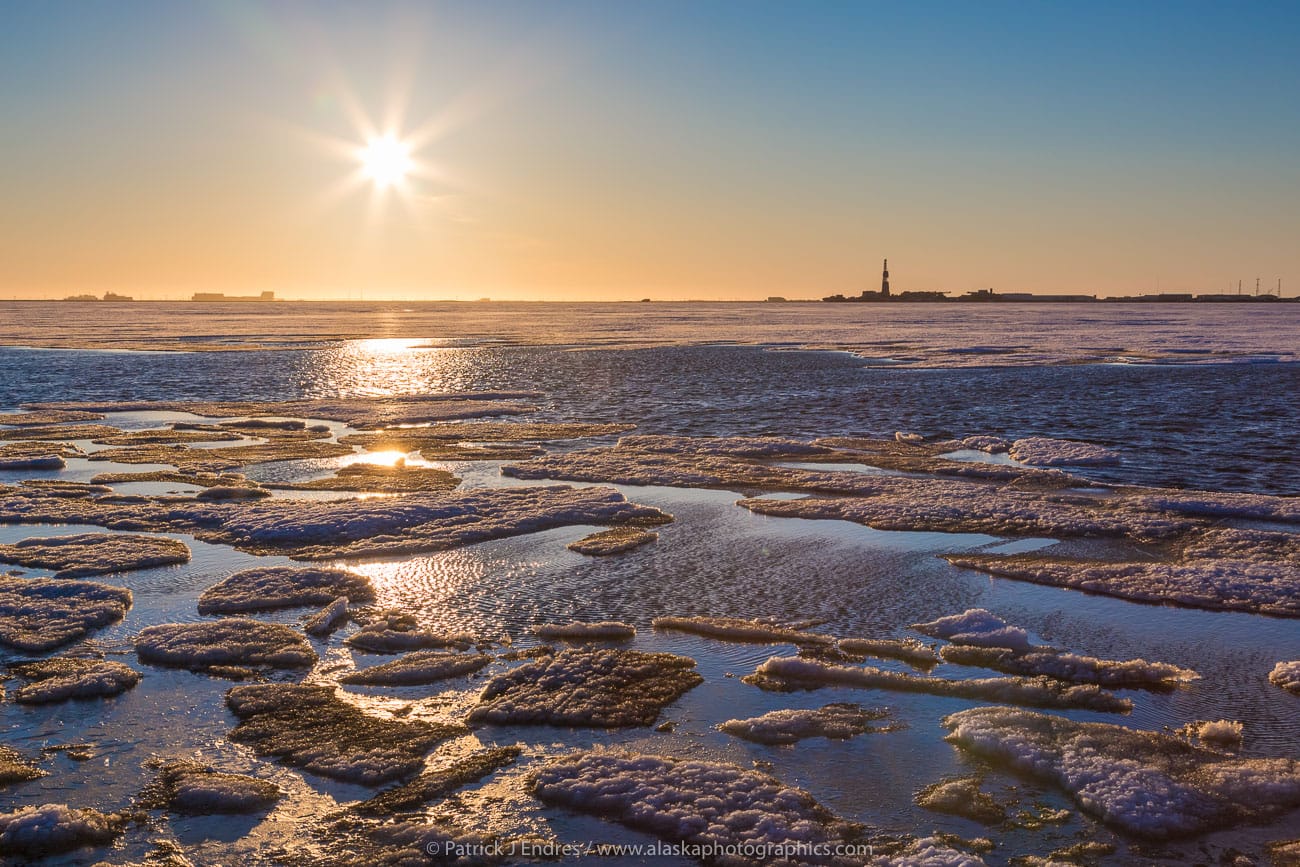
673	150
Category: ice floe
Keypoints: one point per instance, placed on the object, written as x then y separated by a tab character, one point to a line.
85	554
1221	732
605	630
935	851
701	803
396	479
15	768
956	506
196	460
326	530
433	785
329	618
1145	783
269	587
1049	452
54	433
1259	573
613	541
156	436
962	797
781	673
359	412
597	688
908	650
837	721
40	614
52	829
417	668
414	438
310	727
194	789
976	626
393	631
230	641
991	444
63	678
1071	666
49	416
33	462
739	629
1287	676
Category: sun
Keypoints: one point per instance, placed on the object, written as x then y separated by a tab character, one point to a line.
386	161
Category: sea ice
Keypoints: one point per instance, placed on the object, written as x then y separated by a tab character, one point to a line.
1223	732
34	462
359	412
396	631
613	541
433	785
328	530
156	436
40	614
328	619
1071	666
605	630
196	460
1145	783
62	678
412	438
194	789
976	626
230	641
991	444
739	629
54	433
269	587
49	416
1257	583
85	554
1287	676
698	802
781	673
14	768
600	688
909	650
397	479
962	797
310	727
418	668
1048	452
833	721
52	829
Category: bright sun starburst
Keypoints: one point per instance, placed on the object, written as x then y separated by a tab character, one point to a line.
386	161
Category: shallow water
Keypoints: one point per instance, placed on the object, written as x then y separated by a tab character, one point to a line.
1227	427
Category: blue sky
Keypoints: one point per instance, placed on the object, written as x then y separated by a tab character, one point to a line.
592	150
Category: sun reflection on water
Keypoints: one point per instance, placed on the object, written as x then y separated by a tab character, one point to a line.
390	366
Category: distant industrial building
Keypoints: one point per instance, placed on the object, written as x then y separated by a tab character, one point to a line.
220	296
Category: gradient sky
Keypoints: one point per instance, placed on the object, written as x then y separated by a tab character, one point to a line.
612	150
